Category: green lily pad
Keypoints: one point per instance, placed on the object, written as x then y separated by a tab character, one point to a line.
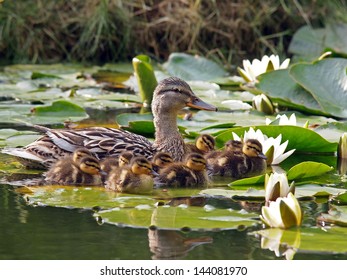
302	192
190	67
302	139
329	92
340	199
165	217
38	75
281	88
82	197
336	215
307	169
60	108
306	239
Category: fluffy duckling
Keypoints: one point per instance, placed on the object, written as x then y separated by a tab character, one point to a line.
112	162
250	162
137	178
79	169
161	160
190	173
232	146
204	144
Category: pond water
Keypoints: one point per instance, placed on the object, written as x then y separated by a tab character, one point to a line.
29	232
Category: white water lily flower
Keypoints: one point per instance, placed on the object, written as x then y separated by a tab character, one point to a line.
236	105
275	156
263	104
283	213
251	71
276	185
283	120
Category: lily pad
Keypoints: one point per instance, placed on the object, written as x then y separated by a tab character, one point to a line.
60	108
165	217
307	169
190	67
328	89
306	239
283	89
303	192
302	139
81	197
336	215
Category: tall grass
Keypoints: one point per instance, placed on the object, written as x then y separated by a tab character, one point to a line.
100	31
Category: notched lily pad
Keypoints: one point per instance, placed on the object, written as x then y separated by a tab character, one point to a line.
336	216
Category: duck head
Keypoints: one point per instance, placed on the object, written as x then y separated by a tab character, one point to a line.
253	148
90	165
173	94
124	159
205	143
233	146
140	165
80	153
162	159
196	162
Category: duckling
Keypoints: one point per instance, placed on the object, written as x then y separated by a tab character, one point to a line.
233	146
79	169
161	160
170	96
249	163
190	173
134	179
204	144
112	162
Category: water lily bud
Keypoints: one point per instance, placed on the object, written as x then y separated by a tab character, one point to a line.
263	104
342	148
276	185
283	213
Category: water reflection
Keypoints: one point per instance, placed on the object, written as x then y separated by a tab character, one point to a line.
170	244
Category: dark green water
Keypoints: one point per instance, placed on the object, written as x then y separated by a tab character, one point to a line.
28	232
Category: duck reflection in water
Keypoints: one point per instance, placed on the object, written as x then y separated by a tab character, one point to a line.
171	244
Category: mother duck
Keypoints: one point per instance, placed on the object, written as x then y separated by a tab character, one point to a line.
171	95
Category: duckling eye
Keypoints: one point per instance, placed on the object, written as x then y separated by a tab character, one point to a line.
176	89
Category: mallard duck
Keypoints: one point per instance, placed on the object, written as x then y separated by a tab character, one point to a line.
190	173
161	160
111	162
80	168
138	178
170	96
250	162
204	144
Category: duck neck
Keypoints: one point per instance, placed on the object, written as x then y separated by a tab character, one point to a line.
167	137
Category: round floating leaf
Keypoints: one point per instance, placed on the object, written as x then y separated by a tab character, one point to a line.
190	67
302	139
60	108
307	169
281	87
326	80
82	197
165	217
336	215
307	239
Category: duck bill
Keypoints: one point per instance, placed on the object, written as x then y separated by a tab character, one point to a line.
261	155
197	103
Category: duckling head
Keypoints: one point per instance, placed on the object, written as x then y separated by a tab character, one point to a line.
90	165
233	146
162	159
253	148
140	165
196	162
79	153
205	143
173	94
124	159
